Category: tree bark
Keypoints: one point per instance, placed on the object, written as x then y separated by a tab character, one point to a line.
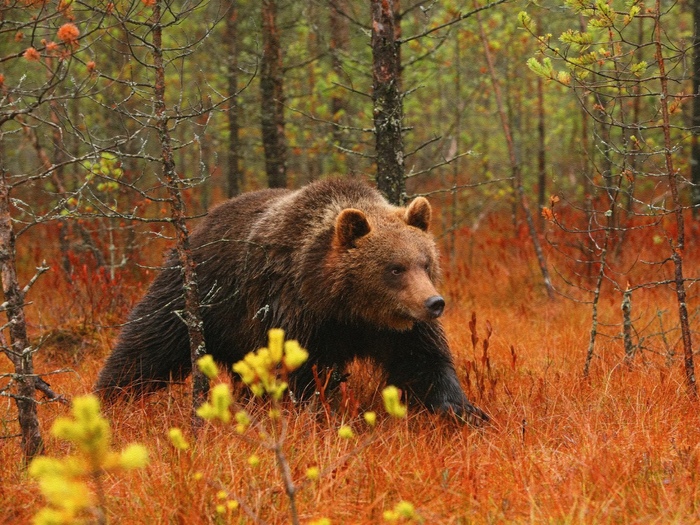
387	101
627	326
337	44
542	149
272	98
191	315
19	351
677	210
695	150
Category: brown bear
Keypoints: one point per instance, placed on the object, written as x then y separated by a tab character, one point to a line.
338	268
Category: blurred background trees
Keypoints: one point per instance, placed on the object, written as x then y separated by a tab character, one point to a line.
279	93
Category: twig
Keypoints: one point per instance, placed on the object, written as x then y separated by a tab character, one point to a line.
458	18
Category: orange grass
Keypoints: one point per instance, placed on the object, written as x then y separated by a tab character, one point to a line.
621	447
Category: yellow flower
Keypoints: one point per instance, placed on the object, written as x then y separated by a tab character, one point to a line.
65	493
405	509
134	456
47	516
63	481
392	402
402	510
313	473
88	429
245	371
178	439
370	418
221	399
45	466
253	461
346	432
294	355
208	367
243	420
257	389
275	344
276	390
259	370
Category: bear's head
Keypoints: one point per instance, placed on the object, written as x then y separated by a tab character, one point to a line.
387	265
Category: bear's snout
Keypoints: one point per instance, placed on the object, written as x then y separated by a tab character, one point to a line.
435	306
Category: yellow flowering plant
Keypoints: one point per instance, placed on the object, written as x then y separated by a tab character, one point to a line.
265	372
64	482
403	511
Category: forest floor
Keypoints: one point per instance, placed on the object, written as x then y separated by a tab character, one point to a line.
621	446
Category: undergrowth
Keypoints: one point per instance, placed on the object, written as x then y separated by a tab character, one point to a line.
621	446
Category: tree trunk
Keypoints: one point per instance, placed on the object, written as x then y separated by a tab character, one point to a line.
542	150
234	174
594	303
19	350
272	98
695	150
515	166
677	209
387	101
191	315
337	44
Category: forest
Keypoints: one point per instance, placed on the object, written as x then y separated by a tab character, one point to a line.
557	143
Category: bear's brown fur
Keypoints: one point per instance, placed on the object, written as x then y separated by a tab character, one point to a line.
333	264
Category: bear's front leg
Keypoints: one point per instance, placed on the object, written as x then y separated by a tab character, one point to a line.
420	363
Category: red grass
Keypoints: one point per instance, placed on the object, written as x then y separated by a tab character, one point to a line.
620	447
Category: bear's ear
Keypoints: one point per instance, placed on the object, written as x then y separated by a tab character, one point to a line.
350	225
418	213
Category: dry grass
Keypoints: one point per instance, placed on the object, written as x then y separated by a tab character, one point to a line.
620	447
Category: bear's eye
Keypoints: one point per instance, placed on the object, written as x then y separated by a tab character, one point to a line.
396	270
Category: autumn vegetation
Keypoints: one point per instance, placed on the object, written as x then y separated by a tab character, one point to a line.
567	326
620	446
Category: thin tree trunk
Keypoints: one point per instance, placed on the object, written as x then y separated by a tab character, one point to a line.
19	350
338	44
594	307
515	166
695	150
387	101
456	168
634	153
234	174
272	98
207	155
677	209
191	315
627	326
542	150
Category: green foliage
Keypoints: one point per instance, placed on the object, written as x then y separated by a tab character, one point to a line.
603	23
541	68
579	40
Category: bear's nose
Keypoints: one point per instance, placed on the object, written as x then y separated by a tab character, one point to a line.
435	305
